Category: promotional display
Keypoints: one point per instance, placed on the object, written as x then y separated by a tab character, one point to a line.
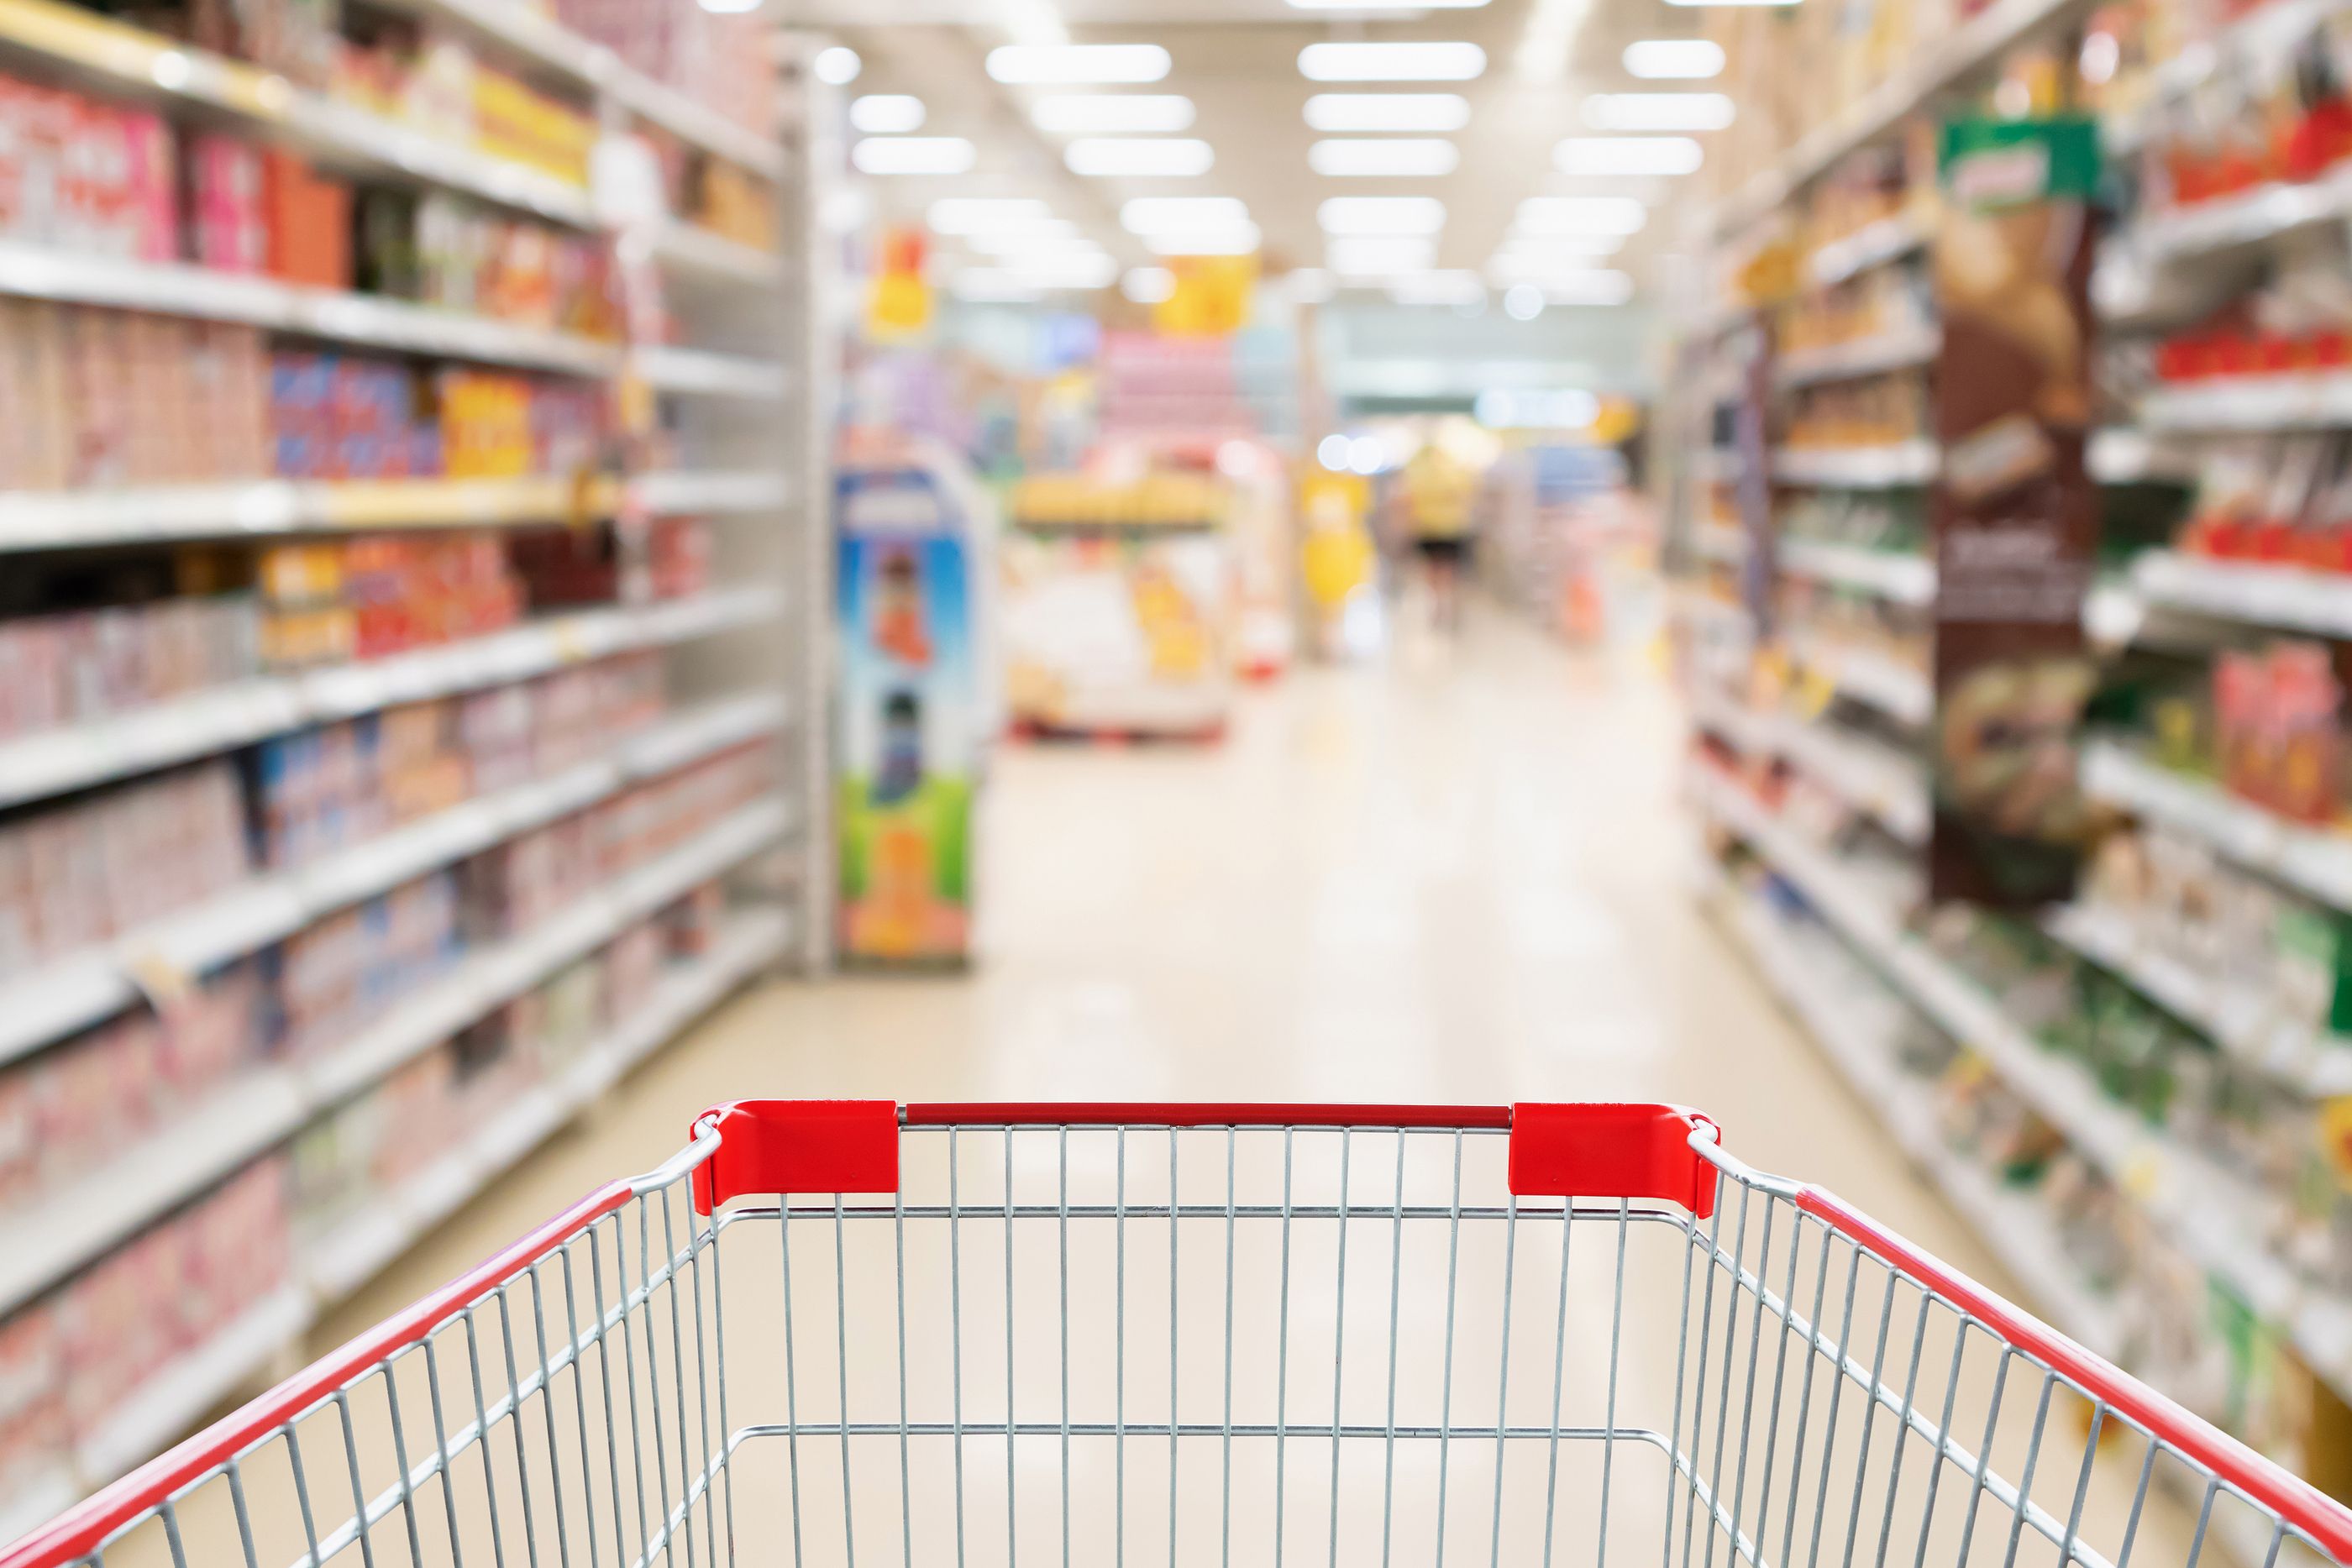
910	714
2016	518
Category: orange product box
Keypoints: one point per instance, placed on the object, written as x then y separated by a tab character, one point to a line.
309	223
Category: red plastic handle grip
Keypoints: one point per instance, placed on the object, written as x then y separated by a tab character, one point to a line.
1610	1151
798	1145
78	1530
2286	1495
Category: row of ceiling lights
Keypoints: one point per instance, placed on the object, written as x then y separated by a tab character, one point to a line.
1549	254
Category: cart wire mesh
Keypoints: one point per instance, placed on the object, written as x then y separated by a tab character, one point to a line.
1279	1335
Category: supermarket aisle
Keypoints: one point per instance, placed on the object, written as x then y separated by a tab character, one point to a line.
1461	883
1460	879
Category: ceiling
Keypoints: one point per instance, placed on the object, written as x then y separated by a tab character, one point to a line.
1237	60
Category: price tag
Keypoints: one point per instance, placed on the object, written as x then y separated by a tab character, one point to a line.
166	983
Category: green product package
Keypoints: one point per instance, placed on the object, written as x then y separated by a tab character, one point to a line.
1989	164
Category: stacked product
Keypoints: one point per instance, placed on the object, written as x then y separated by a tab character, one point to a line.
375	595
78	667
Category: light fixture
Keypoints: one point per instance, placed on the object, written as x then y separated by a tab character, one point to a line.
913	155
1549	215
1382	216
730	7
1156	214
972	215
1658	111
1332	453
1379	256
1148	285
1627	155
886	113
1076	270
993	285
1307	285
1365	455
1074	65
1446	286
1391	60
1238	239
1674	59
1385	111
1386	5
1600	287
1059	236
1392	157
1555	249
1536	408
837	66
1111	113
1139	157
1707	2
1523	302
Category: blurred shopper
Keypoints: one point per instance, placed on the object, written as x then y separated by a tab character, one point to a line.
1439	491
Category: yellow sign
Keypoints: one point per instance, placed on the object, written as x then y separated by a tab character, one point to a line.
1212	296
898	302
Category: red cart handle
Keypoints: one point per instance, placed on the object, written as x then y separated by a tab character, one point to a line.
771	1146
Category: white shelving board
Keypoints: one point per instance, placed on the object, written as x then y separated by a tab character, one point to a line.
1899	466
706	373
1890	239
1903	577
1871	678
1870	778
1900	349
2294	597
2211	1214
180	730
2315	860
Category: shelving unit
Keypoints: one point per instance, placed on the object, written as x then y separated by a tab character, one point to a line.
743	414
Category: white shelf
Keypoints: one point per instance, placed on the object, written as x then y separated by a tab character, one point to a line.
2212	1215
1896	350
2254	217
2121	455
2285	596
689	252
1973	46
204	723
1871	679
1873	244
82	278
88	1216
703	372
355	136
1904	463
331	1266
1905	577
2267	30
2237	1018
2015	1228
74	519
685	492
1870	778
83	988
2317	860
2319	400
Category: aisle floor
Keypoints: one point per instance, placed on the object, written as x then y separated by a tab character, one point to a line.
1462	877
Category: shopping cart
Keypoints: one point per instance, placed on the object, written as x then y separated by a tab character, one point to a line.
1101	1335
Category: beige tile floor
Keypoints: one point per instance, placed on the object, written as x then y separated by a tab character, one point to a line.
1459	877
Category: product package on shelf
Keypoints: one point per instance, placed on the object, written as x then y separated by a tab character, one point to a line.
82	667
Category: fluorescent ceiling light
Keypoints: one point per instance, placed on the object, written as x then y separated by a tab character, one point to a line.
1530	407
1108	113
1139	157
1382	216
1627	155
1450	287
995	286
1674	59
734	8
886	113
1386	5
1704	3
1353	111
913	155
1596	288
972	215
1581	214
1078	270
1060	235
1148	285
1071	65
837	67
1392	157
1361	256
1238	239
1156	214
1391	61
1658	111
